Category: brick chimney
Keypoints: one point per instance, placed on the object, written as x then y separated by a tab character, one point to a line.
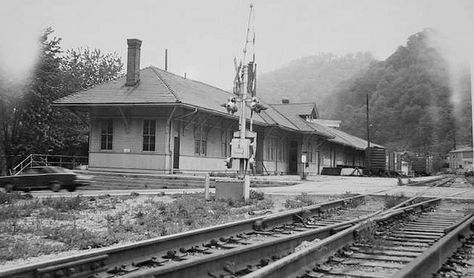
133	62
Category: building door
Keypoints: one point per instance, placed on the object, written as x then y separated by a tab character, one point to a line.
332	155
317	162
293	155
176	153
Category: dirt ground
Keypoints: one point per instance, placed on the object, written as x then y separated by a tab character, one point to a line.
37	229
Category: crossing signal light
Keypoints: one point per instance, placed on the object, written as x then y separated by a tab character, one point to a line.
231	105
256	106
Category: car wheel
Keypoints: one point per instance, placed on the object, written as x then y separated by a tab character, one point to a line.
55	186
8	187
71	188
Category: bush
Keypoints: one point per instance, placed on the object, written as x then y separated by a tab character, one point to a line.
10	198
265	204
256	195
19	249
299	201
393	200
79	238
66	204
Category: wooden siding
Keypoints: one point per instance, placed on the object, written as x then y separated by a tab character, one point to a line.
273	148
133	161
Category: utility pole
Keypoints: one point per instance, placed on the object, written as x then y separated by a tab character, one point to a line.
166	59
367	152
368	123
243	117
472	106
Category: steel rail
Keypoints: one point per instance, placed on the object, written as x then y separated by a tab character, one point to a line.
296	263
425	265
239	258
96	261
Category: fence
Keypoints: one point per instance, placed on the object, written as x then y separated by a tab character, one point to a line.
66	161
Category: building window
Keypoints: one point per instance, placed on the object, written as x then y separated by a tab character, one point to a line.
149	135
273	147
225	142
106	134
310	153
197	140
200	141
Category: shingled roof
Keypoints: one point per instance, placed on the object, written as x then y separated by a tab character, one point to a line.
159	87
295	113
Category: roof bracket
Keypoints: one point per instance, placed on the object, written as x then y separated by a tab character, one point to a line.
125	121
217	123
283	137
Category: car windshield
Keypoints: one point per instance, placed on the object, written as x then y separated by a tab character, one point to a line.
45	170
31	171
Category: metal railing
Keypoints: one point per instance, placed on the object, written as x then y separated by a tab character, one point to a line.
65	161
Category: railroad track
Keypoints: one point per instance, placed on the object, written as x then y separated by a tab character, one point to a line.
443	181
398	244
230	250
174	251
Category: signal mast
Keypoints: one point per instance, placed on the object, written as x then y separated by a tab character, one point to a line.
244	142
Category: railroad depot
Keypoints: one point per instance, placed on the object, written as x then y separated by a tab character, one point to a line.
153	120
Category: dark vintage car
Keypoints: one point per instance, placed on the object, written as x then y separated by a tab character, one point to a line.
45	177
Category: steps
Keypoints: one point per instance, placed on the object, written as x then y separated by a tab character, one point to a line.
104	180
115	180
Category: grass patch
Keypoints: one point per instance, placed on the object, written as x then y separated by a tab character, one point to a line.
393	200
299	201
10	198
32	227
65	204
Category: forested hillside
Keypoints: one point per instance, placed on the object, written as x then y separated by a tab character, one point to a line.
311	79
410	94
410	100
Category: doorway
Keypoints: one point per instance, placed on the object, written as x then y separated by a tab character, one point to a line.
293	155
176	153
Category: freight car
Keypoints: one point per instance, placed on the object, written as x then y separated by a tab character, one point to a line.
376	162
381	162
422	165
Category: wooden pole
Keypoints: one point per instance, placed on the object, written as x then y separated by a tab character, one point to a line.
206	187
367	152
472	107
166	59
368	123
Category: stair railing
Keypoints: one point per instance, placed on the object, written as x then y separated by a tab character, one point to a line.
25	163
49	160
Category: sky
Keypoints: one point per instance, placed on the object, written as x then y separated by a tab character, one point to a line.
203	37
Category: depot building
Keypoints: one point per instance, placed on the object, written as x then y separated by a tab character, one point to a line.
152	120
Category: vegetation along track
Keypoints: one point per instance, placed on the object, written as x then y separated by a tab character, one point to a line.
399	243
177	252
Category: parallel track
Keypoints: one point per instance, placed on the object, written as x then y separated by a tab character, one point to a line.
415	245
229	250
169	251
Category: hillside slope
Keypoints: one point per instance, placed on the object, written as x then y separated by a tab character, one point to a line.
311	79
410	100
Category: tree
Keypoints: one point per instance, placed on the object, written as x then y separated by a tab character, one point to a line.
80	70
84	68
10	94
29	123
410	100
